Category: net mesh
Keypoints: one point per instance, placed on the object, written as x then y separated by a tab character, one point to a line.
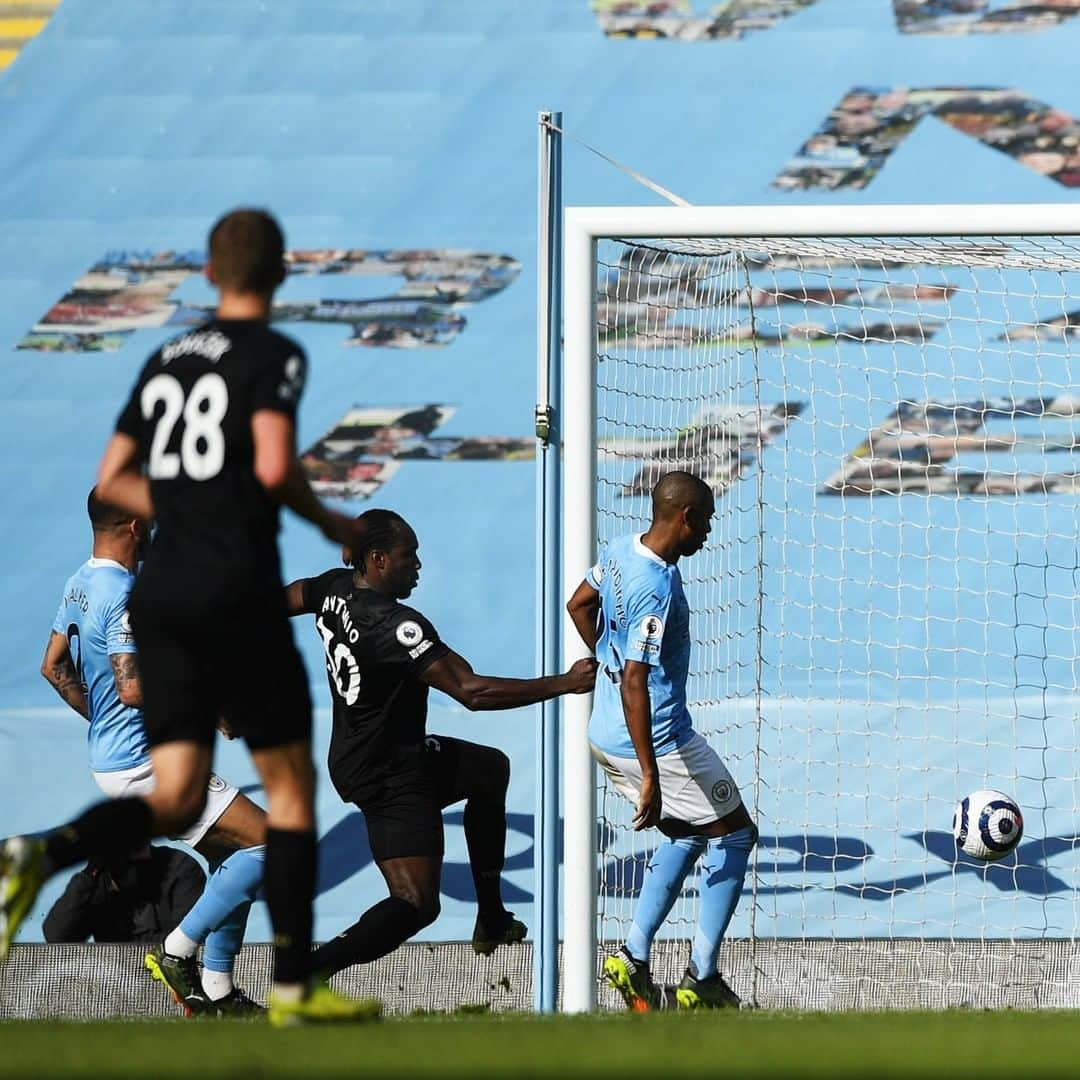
885	617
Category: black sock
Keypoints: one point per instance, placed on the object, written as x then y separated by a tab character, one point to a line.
380	930
114	827
289	888
485	837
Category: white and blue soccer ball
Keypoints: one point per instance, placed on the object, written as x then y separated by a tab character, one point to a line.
987	825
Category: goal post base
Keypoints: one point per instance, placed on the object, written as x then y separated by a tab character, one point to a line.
91	982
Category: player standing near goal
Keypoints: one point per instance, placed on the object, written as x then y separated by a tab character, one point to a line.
632	611
381	659
211	419
90	661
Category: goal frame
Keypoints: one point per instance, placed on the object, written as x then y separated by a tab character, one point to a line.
583	227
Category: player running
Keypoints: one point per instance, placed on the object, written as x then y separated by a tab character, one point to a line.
632	611
90	661
381	659
211	420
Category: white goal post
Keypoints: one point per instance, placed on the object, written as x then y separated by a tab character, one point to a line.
891	574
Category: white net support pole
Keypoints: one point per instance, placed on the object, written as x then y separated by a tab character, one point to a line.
579	545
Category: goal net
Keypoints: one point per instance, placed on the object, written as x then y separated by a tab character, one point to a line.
885	618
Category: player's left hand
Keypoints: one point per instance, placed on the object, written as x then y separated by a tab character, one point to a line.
582	675
649	804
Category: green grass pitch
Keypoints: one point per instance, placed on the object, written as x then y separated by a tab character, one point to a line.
725	1045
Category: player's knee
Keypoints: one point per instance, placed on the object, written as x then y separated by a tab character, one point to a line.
747	828
291	798
295	783
178	809
191	805
487	776
426	904
498	768
428	911
744	838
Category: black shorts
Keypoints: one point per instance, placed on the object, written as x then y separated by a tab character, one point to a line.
240	664
404	814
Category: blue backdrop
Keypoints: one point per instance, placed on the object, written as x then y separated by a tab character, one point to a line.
411	125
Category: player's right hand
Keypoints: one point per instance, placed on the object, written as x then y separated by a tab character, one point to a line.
649	805
340	529
582	675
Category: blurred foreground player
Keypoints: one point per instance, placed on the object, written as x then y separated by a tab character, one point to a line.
381	659
631	609
211	421
90	660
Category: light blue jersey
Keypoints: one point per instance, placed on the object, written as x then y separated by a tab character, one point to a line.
644	616
93	617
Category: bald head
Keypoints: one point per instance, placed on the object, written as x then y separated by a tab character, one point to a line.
118	534
679	491
104	517
683	507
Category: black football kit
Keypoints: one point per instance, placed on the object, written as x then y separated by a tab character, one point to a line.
208	610
381	757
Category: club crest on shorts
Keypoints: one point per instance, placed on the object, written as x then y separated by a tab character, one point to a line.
408	633
215	784
432	744
721	791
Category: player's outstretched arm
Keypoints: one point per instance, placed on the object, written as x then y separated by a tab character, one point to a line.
120	480
283	477
453	676
584	610
59	672
637	708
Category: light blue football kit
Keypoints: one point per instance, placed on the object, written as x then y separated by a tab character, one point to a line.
644	617
93	617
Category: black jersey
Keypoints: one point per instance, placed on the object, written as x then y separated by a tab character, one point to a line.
191	413
375	649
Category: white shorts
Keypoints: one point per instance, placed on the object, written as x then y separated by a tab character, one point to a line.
695	785
140	781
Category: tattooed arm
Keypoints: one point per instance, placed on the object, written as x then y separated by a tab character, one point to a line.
125	669
58	669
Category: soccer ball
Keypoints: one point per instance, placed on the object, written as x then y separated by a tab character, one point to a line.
987	825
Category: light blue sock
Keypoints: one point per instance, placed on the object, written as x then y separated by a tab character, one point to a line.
220	914
223	943
664	877
722	873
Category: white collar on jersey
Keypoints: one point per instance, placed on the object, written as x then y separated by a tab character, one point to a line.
95	562
647	552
